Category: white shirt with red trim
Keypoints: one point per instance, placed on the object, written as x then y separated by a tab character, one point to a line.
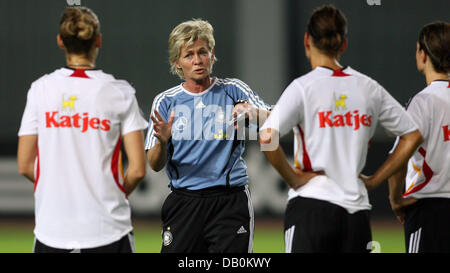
429	168
334	115
79	117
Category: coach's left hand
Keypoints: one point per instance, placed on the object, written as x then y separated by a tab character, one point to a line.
250	112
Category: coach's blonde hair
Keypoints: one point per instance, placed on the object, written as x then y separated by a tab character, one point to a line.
187	33
79	27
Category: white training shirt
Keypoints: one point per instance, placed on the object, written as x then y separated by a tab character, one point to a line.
334	115
79	117
429	168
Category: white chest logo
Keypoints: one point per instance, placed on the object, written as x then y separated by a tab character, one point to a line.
181	123
200	105
220	116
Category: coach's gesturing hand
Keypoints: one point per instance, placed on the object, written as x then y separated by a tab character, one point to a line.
163	130
157	156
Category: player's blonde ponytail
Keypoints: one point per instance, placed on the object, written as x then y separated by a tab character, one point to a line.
79	27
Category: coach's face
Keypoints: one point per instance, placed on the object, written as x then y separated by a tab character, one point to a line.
196	60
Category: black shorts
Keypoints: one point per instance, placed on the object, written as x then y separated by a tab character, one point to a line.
124	245
315	226
427	226
212	220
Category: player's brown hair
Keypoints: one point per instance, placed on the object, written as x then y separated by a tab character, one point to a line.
434	39
79	27
327	26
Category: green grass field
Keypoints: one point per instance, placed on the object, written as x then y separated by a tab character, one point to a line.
17	237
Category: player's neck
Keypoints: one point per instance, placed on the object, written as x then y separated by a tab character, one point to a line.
79	61
326	61
431	76
197	86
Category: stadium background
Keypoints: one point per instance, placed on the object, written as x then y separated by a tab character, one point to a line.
258	41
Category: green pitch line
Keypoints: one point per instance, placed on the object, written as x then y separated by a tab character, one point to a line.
16	239
391	239
19	239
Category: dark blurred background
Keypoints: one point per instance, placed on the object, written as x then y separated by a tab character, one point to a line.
257	41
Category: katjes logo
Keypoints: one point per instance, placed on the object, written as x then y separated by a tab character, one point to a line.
70	103
339	102
65	120
349	119
84	122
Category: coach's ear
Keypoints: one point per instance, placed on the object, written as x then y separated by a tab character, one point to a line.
213	56
60	42
177	65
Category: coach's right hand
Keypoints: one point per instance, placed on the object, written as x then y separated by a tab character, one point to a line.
163	130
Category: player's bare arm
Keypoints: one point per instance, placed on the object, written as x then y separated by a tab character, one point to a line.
157	155
134	147
396	186
26	156
294	177
408	143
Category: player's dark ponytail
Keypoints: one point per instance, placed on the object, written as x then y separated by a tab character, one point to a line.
434	39
328	26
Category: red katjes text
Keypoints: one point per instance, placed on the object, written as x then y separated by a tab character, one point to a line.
446	133
84	122
349	119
